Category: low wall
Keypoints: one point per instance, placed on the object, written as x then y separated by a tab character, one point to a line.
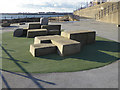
22	20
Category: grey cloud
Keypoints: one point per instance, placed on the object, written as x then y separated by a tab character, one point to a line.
49	5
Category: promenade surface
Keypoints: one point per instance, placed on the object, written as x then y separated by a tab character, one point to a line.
104	77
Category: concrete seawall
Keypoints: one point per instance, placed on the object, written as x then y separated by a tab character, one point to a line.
108	12
91	11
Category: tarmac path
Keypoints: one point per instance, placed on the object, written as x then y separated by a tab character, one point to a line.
104	77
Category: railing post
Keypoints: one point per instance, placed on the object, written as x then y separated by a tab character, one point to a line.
99	14
104	11
112	7
108	10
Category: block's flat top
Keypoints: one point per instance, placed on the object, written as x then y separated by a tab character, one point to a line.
58	39
77	31
31	30
64	41
43	45
33	23
46	37
51	25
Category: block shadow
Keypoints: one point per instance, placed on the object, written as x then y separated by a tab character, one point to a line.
94	52
28	75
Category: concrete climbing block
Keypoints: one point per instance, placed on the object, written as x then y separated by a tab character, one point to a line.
34	26
36	32
42	49
91	37
44	21
18	32
83	36
52	29
66	46
5	24
53	32
43	39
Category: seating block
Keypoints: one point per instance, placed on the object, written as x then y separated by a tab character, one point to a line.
52	29
85	37
42	49
5	24
64	46
44	39
36	32
34	26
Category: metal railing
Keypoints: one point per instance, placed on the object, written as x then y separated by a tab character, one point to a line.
107	10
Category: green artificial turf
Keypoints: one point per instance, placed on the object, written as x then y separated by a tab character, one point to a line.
17	58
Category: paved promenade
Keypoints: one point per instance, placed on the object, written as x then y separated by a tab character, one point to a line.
104	77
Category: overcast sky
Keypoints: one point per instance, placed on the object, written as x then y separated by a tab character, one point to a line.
15	6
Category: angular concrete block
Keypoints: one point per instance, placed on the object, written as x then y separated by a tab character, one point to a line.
42	49
22	23
25	32
66	46
5	24
36	32
53	32
34	26
52	28
44	21
83	36
43	39
18	32
91	37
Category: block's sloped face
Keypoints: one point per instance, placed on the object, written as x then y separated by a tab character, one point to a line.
42	49
66	46
34	26
91	37
37	32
